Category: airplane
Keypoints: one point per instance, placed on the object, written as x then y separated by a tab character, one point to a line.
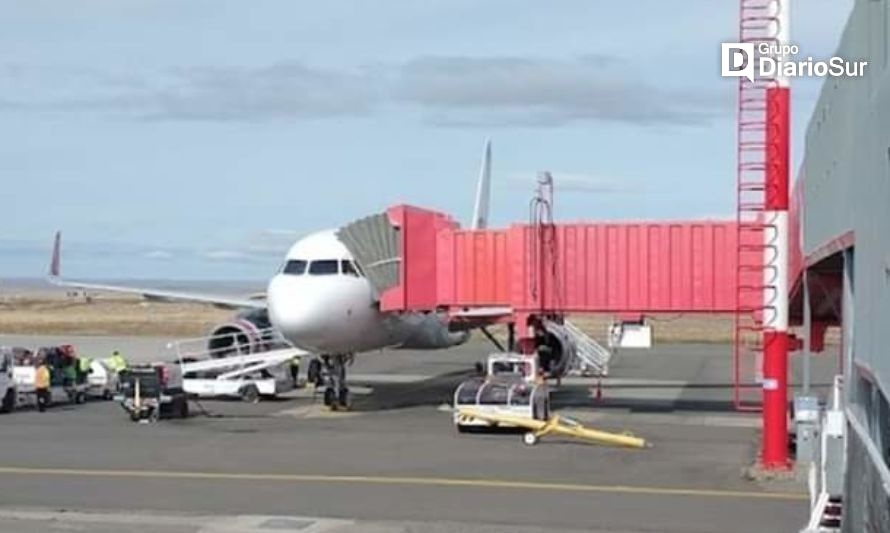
320	302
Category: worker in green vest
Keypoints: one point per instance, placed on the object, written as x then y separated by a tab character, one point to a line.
69	372
84	365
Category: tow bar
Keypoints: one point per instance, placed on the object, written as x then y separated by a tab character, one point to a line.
555	425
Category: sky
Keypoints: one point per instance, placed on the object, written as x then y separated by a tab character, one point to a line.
196	139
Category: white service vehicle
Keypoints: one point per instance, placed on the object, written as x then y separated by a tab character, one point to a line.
102	381
25	377
512	386
8	389
235	370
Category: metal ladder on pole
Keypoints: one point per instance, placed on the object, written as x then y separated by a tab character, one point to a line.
757	24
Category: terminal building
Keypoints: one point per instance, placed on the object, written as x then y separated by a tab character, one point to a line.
843	200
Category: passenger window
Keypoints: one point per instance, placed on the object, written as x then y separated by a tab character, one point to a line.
349	268
295	267
324	267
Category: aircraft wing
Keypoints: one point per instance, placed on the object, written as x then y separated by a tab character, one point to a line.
150	293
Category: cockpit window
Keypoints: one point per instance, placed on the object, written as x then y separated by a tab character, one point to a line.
296	267
349	268
324	267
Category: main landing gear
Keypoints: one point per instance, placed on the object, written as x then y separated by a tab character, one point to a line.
330	371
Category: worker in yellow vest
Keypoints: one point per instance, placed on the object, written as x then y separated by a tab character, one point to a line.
117	362
41	385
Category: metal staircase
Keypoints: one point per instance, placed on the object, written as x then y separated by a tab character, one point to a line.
758	24
591	357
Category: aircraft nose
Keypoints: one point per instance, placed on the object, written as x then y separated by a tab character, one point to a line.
294	310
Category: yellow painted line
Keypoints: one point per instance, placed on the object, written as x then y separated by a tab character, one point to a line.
395	480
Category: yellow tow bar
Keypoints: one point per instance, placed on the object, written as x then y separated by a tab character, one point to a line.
559	426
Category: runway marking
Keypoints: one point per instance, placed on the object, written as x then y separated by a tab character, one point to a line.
396	480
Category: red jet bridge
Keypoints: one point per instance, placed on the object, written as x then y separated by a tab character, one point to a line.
620	268
422	261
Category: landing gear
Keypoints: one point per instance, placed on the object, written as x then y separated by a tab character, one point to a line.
333	375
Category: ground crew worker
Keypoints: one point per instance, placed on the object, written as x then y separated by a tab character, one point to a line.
117	362
84	368
295	369
41	385
545	353
69	372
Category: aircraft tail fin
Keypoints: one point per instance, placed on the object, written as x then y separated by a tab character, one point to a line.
483	191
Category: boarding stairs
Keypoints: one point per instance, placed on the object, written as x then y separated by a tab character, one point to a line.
758	24
591	358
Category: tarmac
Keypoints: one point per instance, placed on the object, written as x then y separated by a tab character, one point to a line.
395	463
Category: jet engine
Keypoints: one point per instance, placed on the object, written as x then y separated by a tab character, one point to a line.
556	349
246	332
429	331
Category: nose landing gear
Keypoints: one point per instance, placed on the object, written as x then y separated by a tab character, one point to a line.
331	371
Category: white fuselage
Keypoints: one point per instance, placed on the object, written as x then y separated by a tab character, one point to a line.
321	302
320	308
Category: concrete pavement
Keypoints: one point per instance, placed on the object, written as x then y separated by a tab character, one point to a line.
396	463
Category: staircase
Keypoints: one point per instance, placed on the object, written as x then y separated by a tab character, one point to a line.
591	357
758	24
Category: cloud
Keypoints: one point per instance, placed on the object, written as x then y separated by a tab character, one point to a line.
162	255
225	255
450	91
584	183
281	91
510	91
271	242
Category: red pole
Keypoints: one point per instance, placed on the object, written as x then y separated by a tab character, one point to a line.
774	452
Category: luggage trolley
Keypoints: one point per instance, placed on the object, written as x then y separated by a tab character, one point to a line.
511	387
